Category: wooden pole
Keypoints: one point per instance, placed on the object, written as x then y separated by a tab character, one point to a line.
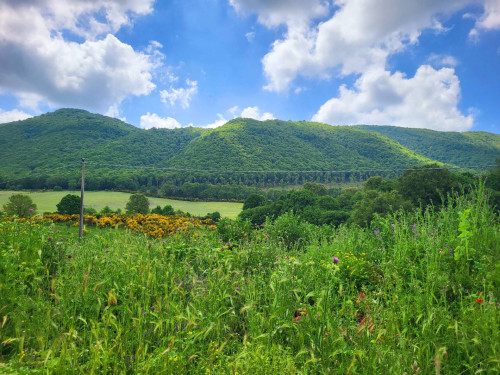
81	199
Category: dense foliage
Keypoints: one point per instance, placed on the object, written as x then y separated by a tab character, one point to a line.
417	292
69	205
240	145
421	186
20	205
137	204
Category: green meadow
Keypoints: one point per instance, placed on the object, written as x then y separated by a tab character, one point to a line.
418	292
47	201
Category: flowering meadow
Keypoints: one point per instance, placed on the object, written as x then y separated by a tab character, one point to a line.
153	225
417	292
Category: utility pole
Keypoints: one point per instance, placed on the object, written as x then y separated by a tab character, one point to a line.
81	199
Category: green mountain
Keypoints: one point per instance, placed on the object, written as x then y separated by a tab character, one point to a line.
468	148
52	145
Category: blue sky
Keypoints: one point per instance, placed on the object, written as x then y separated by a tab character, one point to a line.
414	63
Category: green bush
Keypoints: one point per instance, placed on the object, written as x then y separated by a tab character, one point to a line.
69	205
20	205
289	231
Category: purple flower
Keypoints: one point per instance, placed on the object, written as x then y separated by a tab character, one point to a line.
152	308
31	210
335	260
49	239
237	288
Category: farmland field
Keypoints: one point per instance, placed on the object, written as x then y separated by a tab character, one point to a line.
47	201
418	292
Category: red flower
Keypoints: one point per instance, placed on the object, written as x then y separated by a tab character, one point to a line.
479	300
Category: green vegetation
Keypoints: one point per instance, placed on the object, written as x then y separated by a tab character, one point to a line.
70	204
47	201
468	148
418	187
241	144
416	292
20	205
137	204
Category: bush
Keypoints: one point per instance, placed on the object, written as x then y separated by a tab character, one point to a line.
233	230
137	204
214	216
69	205
20	205
289	231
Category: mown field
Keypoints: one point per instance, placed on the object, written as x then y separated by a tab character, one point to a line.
417	292
47	201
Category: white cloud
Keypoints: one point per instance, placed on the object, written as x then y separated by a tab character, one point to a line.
428	100
359	35
275	12
13	115
442	60
39	64
358	38
181	95
254	112
149	121
248	112
221	121
490	19
250	35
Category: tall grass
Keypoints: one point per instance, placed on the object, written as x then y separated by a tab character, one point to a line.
398	300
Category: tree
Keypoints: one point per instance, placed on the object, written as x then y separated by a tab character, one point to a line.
20	205
316	188
137	204
426	184
69	205
254	200
376	202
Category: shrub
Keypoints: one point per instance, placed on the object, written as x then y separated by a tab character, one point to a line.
69	205
20	205
289	230
137	204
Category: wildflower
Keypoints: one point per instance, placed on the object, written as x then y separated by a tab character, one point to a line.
479	300
31	210
237	288
152	308
335	260
49	239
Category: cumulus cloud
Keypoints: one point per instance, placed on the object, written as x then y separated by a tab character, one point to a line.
13	115
221	121
427	100
248	112
490	19
275	12
181	95
40	64
254	112
359	35
357	38
437	60
149	121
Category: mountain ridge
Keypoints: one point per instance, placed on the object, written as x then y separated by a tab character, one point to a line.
58	138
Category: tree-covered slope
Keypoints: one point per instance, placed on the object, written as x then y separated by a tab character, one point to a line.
55	139
244	144
464	149
60	138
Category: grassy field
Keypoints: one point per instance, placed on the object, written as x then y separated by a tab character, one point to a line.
417	293
47	201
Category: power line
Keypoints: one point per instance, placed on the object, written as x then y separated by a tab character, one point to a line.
171	169
37	173
235	171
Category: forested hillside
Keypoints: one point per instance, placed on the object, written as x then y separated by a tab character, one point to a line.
468	148
44	152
